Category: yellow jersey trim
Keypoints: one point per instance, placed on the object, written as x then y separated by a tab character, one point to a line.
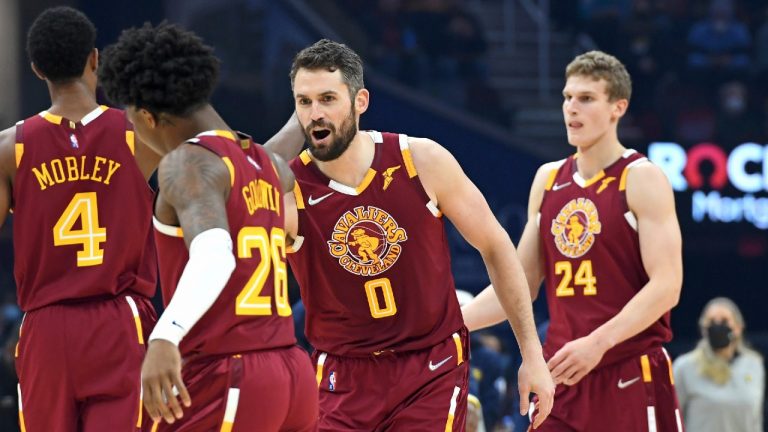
19	153
51	117
130	139
594	179
305	157
298	195
551	179
366	181
231	168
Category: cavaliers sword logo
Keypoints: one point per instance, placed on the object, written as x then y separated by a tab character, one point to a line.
575	227
388	175
366	241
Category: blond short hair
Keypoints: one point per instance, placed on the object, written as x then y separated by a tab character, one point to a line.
599	65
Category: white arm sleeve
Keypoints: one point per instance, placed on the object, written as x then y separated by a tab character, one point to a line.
210	265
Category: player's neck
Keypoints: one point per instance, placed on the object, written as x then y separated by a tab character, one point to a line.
203	120
352	166
72	100
594	158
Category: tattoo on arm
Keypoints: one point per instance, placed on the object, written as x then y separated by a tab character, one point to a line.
195	182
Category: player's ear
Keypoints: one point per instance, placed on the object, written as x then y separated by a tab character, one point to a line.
93	60
620	108
37	71
148	118
362	99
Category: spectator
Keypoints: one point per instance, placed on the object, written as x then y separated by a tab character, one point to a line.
736	122
721	383
719	45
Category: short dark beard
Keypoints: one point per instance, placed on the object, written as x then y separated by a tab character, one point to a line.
340	143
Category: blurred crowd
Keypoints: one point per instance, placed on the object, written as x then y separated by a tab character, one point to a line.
697	65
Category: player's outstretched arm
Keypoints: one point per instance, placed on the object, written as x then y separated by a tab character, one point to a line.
288	141
194	186
7	170
460	200
651	200
485	310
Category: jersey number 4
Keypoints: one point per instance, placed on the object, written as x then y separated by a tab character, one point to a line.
584	277
271	248
83	208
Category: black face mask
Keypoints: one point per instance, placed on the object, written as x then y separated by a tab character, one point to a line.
719	335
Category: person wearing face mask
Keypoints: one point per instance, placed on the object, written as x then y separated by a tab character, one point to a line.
721	383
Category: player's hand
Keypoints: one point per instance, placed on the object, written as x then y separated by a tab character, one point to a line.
160	373
576	359
534	376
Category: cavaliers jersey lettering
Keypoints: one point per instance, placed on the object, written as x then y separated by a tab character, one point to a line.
592	256
253	311
84	211
372	261
70	168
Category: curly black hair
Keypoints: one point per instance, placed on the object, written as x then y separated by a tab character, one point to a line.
163	69
59	42
329	55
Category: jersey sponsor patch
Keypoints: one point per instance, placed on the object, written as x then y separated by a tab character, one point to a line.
366	241
575	227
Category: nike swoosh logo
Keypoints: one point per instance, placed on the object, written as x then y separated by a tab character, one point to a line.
178	325
624	384
313	201
560	186
433	367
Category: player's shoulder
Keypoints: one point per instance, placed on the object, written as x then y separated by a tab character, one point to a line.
425	146
646	174
429	157
7	140
546	173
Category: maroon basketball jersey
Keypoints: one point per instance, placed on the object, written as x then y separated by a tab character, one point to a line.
253	311
82	211
592	256
372	262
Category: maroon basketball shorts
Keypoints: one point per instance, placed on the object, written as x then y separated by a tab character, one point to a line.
264	391
632	395
423	390
80	364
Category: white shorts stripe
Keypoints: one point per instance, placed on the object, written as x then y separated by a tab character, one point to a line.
679	421
651	419
18	390
132	304
233	397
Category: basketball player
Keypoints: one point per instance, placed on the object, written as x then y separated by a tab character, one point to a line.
75	178
603	235
370	254
227	312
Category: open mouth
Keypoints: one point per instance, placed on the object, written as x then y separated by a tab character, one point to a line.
320	134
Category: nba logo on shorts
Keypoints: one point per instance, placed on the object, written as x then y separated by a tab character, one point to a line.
73	140
332	381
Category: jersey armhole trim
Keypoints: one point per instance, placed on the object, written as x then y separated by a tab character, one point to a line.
434	210
623	181
297	242
231	168
405	149
168	230
298	195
